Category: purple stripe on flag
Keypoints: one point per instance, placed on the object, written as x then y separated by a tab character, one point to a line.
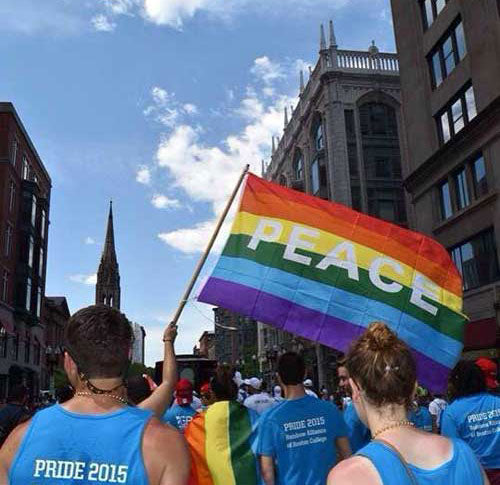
311	324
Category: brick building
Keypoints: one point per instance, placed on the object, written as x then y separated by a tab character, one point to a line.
207	345
450	71
25	189
55	316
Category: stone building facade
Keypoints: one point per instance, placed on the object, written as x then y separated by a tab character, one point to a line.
236	340
342	142
449	55
25	188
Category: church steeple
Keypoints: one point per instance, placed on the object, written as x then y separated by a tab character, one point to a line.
107	290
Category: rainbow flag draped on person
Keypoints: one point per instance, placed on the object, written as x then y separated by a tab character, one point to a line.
220	441
324	271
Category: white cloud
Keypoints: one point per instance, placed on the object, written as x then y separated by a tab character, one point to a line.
266	70
161	201
166	109
173	12
143	175
190	109
89	240
85	279
101	23
208	173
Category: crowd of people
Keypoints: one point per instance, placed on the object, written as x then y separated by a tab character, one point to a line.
385	429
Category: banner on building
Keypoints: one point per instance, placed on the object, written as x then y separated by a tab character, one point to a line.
324	271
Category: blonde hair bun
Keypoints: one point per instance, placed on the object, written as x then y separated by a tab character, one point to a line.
380	337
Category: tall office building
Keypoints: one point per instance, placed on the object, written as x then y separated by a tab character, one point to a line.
449	55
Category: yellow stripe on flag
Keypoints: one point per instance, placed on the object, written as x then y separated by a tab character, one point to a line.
218	449
323	242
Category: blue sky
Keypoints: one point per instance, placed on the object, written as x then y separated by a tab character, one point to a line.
157	104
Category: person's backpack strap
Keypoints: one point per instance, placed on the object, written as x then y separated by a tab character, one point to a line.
403	462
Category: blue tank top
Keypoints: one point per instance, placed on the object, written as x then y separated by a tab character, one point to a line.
63	448
461	469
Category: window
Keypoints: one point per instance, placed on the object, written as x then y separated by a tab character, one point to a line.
36	352
430	10
31	251
479	177
448	52
387	204
282	180
39	302
5	285
15	349
40	264
456	115
461	189
350	128
477	260
469	182
352	154
43	223
298	166
378	119
13	152
28	294
319	140
356	197
8	240
445	200
26	169
27	349
352	147
33	210
12	195
3	342
470	103
315	177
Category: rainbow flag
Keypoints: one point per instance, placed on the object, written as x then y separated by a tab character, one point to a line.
220	441
325	272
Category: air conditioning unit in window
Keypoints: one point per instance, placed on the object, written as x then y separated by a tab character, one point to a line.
298	185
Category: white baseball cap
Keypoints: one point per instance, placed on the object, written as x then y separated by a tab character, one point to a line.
254	382
308	383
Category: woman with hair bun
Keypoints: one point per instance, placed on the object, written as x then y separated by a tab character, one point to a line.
383	381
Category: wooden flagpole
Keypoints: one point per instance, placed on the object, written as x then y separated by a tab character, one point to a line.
204	256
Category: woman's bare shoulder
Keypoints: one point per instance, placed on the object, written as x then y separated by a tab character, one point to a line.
357	469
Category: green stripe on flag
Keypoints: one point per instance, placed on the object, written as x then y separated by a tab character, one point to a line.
446	321
242	457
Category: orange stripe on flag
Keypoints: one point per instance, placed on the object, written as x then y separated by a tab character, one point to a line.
413	249
195	436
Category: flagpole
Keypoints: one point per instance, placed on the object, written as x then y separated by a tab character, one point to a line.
204	256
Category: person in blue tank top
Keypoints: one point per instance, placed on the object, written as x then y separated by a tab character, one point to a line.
474	416
357	432
300	438
383	382
181	413
95	437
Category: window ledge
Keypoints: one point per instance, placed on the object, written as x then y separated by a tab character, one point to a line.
481	289
459	215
